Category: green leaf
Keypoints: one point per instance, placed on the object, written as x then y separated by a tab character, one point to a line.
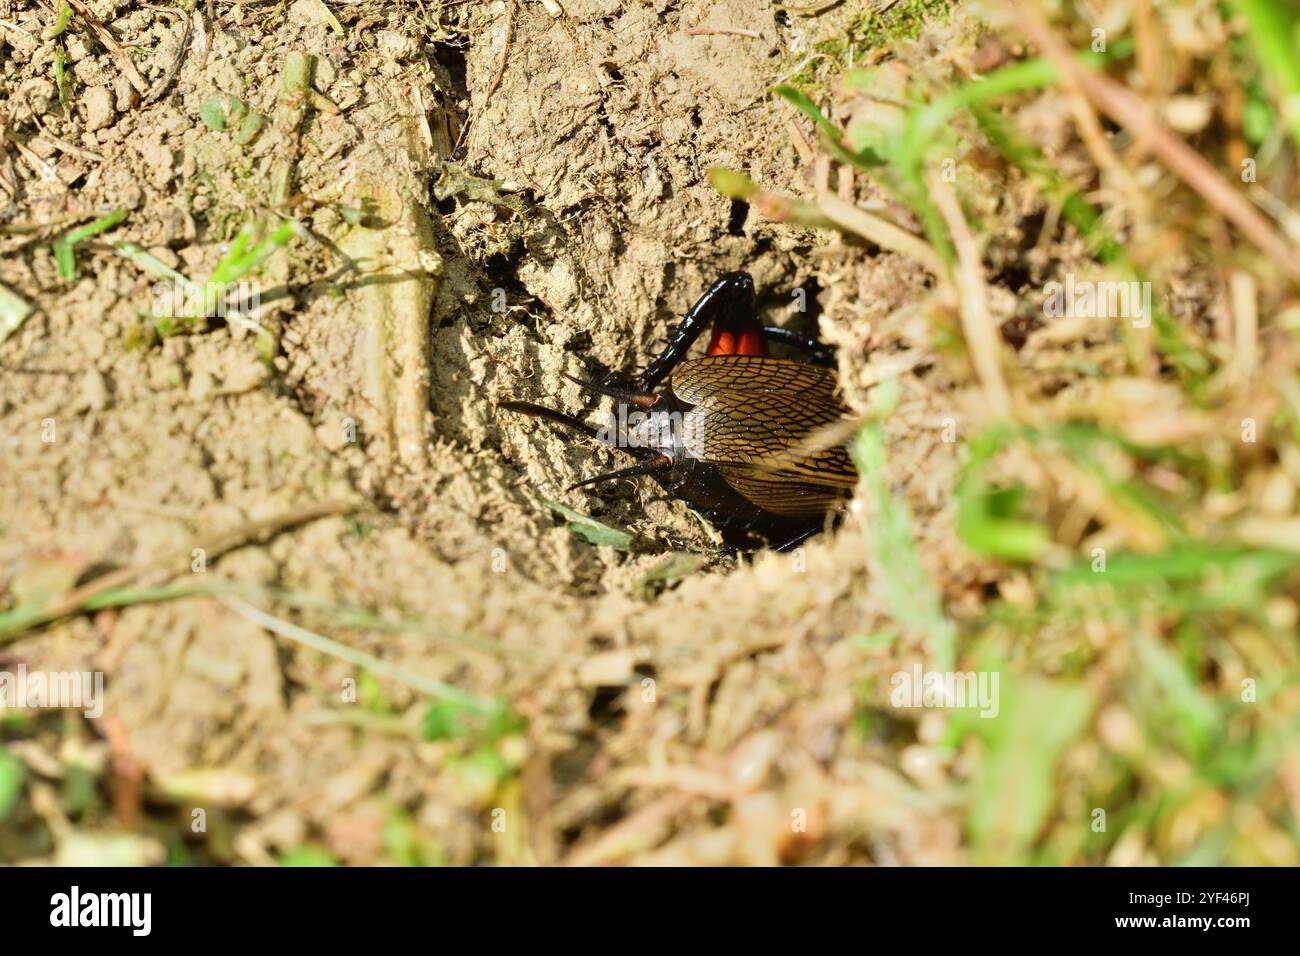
449	720
732	184
591	530
62	19
1190	564
1014	789
221	111
307	856
249	127
214	111
831	136
445	720
1178	704
64	260
482	769
985	516
1275	37
61	78
672	567
12	775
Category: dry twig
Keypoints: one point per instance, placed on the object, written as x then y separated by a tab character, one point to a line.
110	43
977	323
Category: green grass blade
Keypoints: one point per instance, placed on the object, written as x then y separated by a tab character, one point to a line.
1275	37
910	597
65	244
591	530
1014	791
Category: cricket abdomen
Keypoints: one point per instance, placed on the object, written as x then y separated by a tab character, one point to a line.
742	524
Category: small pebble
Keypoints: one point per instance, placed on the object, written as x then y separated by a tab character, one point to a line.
99	107
94	391
927	766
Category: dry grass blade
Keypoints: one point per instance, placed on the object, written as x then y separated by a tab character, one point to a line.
169	565
642	830
7	180
376	665
976	320
44	170
1245	324
883	233
722	32
110	43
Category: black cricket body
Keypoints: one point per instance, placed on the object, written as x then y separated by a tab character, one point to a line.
722	435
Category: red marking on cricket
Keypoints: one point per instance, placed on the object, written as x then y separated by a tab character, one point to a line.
748	341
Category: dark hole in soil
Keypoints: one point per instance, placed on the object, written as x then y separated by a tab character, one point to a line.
606	704
739	213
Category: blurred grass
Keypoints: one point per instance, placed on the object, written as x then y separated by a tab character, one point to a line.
1275	38
1015	790
910	596
1166	662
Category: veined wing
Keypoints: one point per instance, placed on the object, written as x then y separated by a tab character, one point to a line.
700	380
782	493
759	412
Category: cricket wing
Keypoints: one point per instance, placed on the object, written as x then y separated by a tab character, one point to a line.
699	380
782	494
